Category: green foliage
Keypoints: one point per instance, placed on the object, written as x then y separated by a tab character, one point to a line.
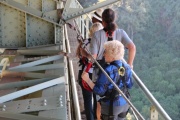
153	25
132	15
146	111
154	28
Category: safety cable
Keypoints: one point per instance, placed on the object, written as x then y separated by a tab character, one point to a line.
80	38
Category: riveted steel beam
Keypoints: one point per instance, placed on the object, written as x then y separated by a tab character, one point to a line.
6	73
32	89
22	59
41	67
38	52
55	90
23	83
66	7
38	62
35	104
30	11
78	13
14	116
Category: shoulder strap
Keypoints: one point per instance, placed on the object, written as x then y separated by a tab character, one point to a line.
125	90
121	71
114	91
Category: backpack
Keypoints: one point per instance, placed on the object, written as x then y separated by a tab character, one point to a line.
125	74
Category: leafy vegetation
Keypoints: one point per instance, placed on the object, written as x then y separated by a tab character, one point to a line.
157	62
154	27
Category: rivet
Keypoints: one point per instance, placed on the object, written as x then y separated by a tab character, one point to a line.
44	100
44	104
3	109
28	107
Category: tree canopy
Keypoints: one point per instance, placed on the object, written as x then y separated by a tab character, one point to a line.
154	27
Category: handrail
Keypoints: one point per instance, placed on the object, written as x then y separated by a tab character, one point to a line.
72	78
134	114
150	96
67	76
74	90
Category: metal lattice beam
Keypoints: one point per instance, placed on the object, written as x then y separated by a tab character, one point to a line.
23	83
32	89
13	116
69	15
31	11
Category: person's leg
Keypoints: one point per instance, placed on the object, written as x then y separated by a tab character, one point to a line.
94	105
116	111
98	111
87	96
120	112
88	104
104	111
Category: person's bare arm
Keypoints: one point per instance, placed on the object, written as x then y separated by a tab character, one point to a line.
90	57
131	53
85	77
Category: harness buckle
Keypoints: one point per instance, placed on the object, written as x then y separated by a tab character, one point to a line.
121	71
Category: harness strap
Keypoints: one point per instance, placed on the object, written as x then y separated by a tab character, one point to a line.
89	65
121	70
113	95
111	109
125	90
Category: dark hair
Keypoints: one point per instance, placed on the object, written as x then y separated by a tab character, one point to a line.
108	16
